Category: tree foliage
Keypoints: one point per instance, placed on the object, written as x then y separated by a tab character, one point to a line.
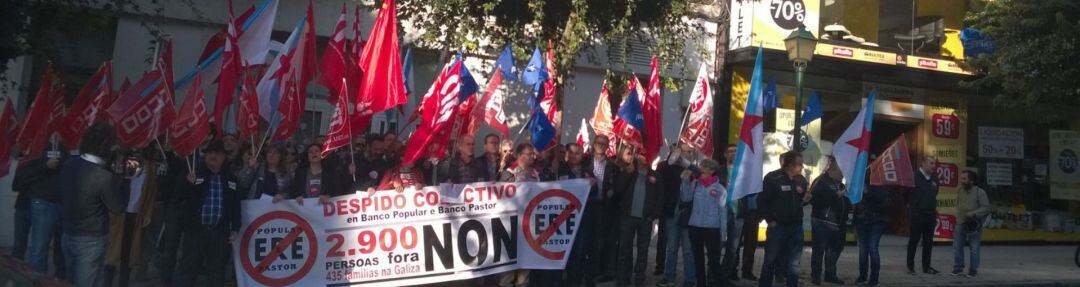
1035	66
572	26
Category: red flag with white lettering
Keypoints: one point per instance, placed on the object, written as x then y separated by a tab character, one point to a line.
88	106
432	136
291	110
9	128
893	167
247	118
651	109
492	105
698	130
340	133
38	125
332	65
192	127
230	73
142	120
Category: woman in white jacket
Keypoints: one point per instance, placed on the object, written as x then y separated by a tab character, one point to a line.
706	193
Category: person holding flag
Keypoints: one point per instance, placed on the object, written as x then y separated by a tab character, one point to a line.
828	223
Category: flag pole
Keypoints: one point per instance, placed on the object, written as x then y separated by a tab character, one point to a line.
348	127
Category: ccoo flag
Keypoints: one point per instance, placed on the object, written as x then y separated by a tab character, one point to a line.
748	170
698	131
852	150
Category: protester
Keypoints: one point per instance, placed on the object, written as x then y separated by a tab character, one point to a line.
708	197
172	229
597	223
972	209
923	215
675	224
212	218
637	200
400	177
577	264
314	179
371	163
828	223
871	219
488	162
522	172
21	232
269	177
232	148
39	181
126	230
460	168
89	192
781	204
734	224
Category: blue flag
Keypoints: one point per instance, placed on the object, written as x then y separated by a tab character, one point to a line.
770	97
813	110
630	111
468	83
506	63
541	129
535	72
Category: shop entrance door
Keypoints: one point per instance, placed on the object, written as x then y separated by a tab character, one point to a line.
885	131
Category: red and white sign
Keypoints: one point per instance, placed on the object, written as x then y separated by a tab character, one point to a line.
947	174
431	235
946	226
946	126
843	52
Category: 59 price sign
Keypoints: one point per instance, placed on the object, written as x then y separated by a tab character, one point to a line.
946	126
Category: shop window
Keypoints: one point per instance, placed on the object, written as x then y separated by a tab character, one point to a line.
920	27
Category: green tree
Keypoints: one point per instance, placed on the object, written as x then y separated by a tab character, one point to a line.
1034	68
572	26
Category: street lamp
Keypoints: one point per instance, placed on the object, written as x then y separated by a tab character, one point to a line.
800	47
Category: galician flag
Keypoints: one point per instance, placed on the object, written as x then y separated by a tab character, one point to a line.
747	173
853	148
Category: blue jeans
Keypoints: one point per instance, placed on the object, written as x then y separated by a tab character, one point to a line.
959	240
827	245
782	241
869	236
732	242
85	258
44	226
22	232
678	236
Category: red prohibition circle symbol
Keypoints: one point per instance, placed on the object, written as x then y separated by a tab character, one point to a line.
254	270
536	242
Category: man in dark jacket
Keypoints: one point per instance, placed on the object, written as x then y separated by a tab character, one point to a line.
637	197
675	236
211	217
89	192
371	163
488	163
780	202
828	223
923	213
597	219
578	262
39	180
460	168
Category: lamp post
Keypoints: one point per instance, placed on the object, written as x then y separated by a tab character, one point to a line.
800	47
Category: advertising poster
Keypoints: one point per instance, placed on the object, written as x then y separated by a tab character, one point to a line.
437	234
1064	165
944	136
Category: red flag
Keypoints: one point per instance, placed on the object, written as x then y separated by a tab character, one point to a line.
140	118
290	108
37	126
87	107
382	81
433	134
893	168
192	127
698	131
601	120
332	65
353	61
468	124
625	132
167	112
247	119
491	108
9	128
548	101
340	133
420	108
651	108
230	73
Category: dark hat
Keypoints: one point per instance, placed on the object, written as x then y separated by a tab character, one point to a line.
215	146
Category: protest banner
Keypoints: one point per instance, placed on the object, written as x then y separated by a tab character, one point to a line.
437	234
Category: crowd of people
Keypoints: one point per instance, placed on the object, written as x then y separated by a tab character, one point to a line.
107	213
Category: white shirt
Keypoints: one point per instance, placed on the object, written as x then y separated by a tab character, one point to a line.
93	158
925	174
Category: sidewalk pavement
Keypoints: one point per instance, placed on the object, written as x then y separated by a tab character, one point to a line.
1000	266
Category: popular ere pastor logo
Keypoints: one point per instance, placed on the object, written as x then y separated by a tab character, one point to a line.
278	248
550	223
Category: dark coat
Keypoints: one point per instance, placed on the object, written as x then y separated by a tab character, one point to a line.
611	171
924	195
626	182
37	180
193	194
89	192
779	200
